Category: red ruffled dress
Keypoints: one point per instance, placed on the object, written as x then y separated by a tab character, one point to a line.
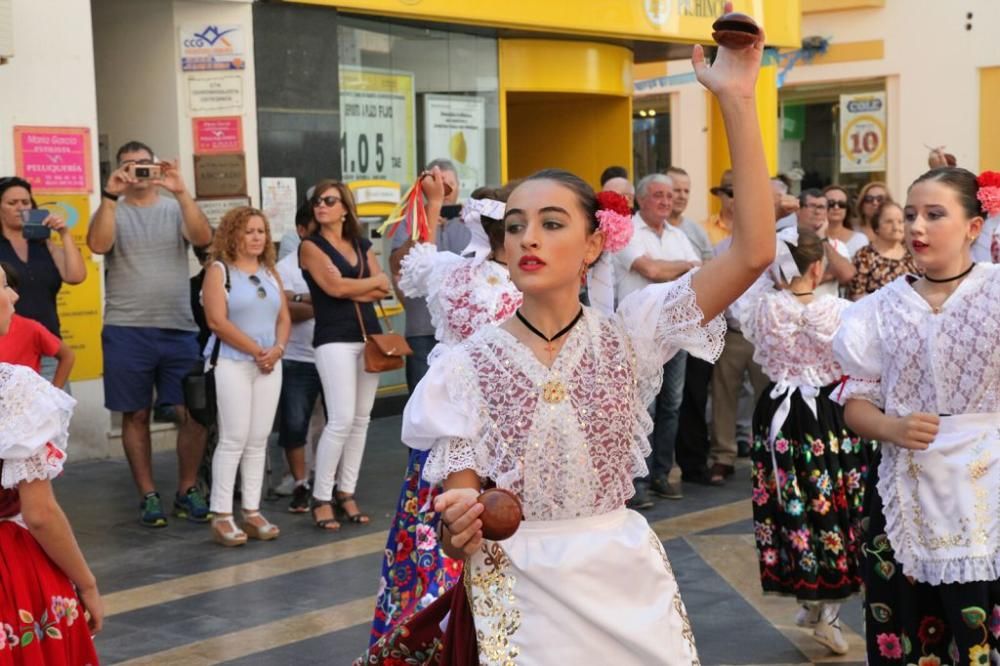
41	618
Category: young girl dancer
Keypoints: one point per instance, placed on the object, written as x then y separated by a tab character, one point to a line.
808	472
463	295
552	406
45	584
924	379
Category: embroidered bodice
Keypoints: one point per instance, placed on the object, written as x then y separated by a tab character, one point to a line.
793	341
905	358
569	439
34	429
463	294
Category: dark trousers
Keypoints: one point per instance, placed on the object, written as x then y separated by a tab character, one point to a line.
692	429
665	411
416	364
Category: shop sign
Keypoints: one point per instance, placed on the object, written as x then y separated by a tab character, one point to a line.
455	127
54	159
214	93
220	175
378	125
214	209
862	132
219	134
208	47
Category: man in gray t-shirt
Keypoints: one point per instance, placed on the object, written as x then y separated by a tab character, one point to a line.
452	236
150	338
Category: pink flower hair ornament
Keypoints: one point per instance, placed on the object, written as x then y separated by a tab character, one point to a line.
614	219
989	192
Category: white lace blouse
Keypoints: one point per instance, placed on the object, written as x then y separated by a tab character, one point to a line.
902	356
463	294
793	341
34	426
569	439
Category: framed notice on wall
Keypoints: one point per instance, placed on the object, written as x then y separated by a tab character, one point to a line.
862	132
220	175
455	128
54	159
217	134
377	125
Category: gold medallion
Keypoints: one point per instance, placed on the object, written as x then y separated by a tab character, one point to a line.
553	391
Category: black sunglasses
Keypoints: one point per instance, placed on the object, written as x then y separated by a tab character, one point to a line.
329	201
728	191
838	204
255	281
873	198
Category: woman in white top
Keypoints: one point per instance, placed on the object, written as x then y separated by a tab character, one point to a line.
552	406
924	379
838	213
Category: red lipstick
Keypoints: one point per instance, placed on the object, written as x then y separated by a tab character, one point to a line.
530	262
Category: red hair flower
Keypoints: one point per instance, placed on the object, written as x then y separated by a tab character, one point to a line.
615	220
989	192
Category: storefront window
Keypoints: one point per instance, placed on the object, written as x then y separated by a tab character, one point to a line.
409	95
650	135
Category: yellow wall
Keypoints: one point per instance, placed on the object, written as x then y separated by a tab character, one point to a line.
565	104
767	112
989	102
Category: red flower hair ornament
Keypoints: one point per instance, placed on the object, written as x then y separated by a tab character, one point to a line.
989	192
614	217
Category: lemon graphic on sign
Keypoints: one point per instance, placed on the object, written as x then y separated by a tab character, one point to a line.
456	146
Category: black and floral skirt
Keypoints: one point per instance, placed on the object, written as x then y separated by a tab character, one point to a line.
908	622
809	539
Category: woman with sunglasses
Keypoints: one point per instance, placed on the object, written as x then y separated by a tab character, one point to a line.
344	279
870	199
838	214
246	310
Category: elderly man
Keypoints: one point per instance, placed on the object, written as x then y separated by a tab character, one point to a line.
812	215
658	252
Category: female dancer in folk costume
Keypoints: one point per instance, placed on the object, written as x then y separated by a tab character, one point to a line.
463	295
552	406
809	472
45	584
923	368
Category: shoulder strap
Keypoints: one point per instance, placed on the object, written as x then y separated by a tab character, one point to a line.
218	342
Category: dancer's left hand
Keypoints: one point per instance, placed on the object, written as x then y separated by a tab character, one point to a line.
461	511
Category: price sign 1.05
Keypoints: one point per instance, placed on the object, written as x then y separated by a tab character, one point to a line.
358	153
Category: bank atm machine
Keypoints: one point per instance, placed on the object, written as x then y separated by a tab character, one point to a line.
375	200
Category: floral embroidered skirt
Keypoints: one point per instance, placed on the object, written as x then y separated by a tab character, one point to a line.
41	618
415	570
809	542
929	625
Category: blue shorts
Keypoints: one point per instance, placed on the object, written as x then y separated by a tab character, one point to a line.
139	358
300	386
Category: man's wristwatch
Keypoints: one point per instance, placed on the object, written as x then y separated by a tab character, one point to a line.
297	298
111	197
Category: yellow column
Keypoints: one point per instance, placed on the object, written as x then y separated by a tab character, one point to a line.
767	112
989	102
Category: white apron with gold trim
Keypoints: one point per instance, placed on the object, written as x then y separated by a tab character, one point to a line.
595	590
942	505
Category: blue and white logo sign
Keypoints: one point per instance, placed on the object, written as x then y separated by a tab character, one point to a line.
210	47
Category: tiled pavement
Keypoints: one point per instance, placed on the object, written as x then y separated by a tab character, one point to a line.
174	597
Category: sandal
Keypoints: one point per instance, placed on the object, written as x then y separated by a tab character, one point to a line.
356	517
228	538
326	524
264	531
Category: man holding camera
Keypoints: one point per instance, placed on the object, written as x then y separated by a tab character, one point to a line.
150	336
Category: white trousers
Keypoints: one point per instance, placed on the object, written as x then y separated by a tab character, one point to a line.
247	400
349	393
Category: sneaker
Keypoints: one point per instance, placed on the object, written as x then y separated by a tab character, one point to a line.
151	511
640	500
828	633
287	486
808	615
300	499
665	489
192	506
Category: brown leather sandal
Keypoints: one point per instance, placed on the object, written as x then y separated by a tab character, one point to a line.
326	524
356	517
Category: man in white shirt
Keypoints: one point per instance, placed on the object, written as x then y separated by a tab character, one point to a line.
658	252
300	386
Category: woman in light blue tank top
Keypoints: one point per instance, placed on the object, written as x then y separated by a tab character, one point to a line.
246	310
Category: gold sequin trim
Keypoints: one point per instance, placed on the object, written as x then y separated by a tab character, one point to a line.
490	587
686	630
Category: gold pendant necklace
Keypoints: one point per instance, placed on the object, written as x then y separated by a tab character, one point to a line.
553	391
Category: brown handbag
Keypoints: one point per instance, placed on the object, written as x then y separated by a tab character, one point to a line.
383	351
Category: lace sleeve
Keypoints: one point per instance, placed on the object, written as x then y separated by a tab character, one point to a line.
420	269
662	319
754	309
46	463
33	413
857	348
452	455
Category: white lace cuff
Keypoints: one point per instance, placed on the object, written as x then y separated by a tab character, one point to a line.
45	464
449	456
859	388
417	269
